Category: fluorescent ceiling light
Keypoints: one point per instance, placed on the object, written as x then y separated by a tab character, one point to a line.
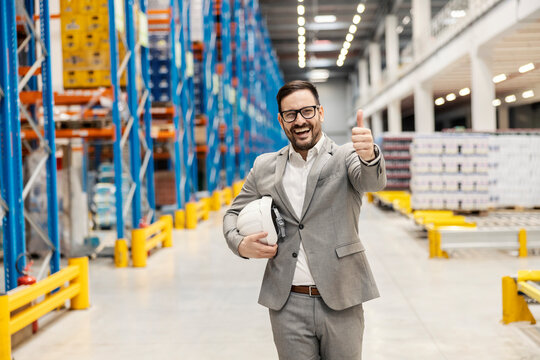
301	30
356	19
526	67
339	63
510	98
302	53
301	21
361	7
301	39
344	52
464	91
458	13
352	29
301	46
439	101
300	0
451	97
319	74
349	37
406	20
301	9
302	65
499	78
399	29
346	45
325	19
528	94
496	102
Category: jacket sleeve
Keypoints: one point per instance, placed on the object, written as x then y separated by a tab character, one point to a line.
248	193
365	178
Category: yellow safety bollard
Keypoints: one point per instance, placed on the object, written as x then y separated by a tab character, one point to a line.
215	203
180	219
206	204
237	187
514	306
522	238
5	334
138	248
191	215
82	300
369	197
168	242
121	253
227	195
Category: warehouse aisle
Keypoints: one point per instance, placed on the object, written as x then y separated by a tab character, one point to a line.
198	301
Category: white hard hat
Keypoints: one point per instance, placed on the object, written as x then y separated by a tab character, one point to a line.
261	215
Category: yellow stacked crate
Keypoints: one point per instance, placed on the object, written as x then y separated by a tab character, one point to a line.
85	44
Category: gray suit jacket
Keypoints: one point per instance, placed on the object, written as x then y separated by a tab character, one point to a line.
328	226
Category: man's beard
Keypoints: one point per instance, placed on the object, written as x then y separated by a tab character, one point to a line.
303	146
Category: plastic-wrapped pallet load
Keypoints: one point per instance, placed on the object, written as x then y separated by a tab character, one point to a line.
450	171
514	170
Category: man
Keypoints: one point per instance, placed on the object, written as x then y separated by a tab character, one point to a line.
317	277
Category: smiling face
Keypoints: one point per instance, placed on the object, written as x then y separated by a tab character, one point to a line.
302	133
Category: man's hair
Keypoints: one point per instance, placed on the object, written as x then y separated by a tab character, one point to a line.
293	86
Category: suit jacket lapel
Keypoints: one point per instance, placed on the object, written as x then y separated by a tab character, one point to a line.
281	163
324	155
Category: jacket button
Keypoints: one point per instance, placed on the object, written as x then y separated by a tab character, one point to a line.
301	226
294	255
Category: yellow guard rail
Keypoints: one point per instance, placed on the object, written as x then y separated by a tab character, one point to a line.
145	239
515	308
77	291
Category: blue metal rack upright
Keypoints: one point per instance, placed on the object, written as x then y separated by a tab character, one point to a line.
226	89
187	103
128	127
210	97
12	174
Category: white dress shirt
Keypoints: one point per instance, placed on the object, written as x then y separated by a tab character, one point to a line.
294	182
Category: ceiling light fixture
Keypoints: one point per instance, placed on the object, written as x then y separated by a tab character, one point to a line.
352	29
301	9
464	91
439	101
301	39
528	94
451	97
325	19
319	74
301	21
301	31
301	46
399	29
361	7
406	20
349	37
510	98
356	19
346	45
344	52
499	78
526	67
496	102
458	13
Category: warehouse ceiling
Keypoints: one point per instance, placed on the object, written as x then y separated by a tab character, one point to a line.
324	41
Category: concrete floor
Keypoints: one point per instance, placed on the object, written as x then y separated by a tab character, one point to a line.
198	301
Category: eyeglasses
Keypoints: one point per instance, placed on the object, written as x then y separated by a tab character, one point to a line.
307	112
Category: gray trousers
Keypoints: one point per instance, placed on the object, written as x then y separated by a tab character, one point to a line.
306	329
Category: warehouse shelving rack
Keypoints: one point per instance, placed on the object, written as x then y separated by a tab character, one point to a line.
13	191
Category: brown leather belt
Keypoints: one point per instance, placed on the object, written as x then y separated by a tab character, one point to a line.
305	289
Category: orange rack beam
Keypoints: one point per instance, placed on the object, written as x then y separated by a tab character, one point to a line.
72	133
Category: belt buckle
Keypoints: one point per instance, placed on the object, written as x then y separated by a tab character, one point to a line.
310	287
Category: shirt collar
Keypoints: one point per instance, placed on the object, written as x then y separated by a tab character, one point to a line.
315	150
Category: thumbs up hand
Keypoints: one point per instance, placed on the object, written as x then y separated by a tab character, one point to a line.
362	139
